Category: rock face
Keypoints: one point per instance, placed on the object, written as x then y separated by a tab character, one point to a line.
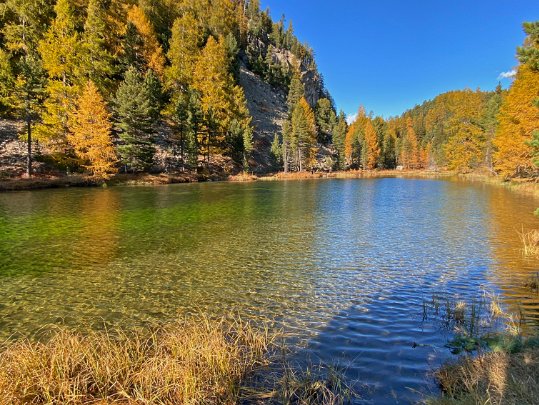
310	76
13	152
267	106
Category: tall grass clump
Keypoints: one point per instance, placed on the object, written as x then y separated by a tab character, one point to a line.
496	366
194	361
530	242
491	378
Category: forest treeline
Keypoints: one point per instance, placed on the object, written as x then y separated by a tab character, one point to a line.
106	85
102	83
460	130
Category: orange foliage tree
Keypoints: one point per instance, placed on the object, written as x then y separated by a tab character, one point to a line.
90	133
410	151
518	118
371	149
151	49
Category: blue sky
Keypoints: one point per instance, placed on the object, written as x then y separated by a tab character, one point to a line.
389	55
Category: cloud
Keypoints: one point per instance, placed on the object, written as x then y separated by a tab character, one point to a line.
507	75
351	118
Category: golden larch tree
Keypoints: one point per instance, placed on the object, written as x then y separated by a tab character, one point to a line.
59	49
410	151
90	133
304	128
372	150
187	36
152	51
518	118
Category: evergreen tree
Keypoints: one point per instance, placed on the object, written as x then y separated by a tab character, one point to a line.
296	90
276	151
339	138
132	53
155	90
326	120
135	122
490	124
96	62
90	133
529	53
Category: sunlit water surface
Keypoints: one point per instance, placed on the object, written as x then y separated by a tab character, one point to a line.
342	265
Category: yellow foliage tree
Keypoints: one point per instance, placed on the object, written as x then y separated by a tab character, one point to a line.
410	151
518	118
303	128
354	137
465	150
187	36
372	150
151	49
90	133
59	50
214	83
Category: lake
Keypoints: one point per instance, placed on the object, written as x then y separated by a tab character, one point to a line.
343	266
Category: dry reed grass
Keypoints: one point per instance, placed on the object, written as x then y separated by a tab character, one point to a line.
530	242
195	361
491	378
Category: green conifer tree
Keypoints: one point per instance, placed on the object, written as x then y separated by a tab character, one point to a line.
135	121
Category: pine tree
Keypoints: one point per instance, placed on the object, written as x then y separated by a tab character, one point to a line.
529	53
276	151
326	120
96	62
339	138
132	54
155	90
90	133
296	90
135	121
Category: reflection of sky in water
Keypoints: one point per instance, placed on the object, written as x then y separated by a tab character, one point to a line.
345	264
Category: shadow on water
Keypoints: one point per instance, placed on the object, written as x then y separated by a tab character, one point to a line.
386	348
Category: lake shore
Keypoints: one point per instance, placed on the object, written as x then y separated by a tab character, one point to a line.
522	186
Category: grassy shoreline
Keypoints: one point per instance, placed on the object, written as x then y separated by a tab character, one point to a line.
526	187
196	360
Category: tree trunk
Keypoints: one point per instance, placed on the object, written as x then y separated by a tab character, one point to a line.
285	158
29	170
